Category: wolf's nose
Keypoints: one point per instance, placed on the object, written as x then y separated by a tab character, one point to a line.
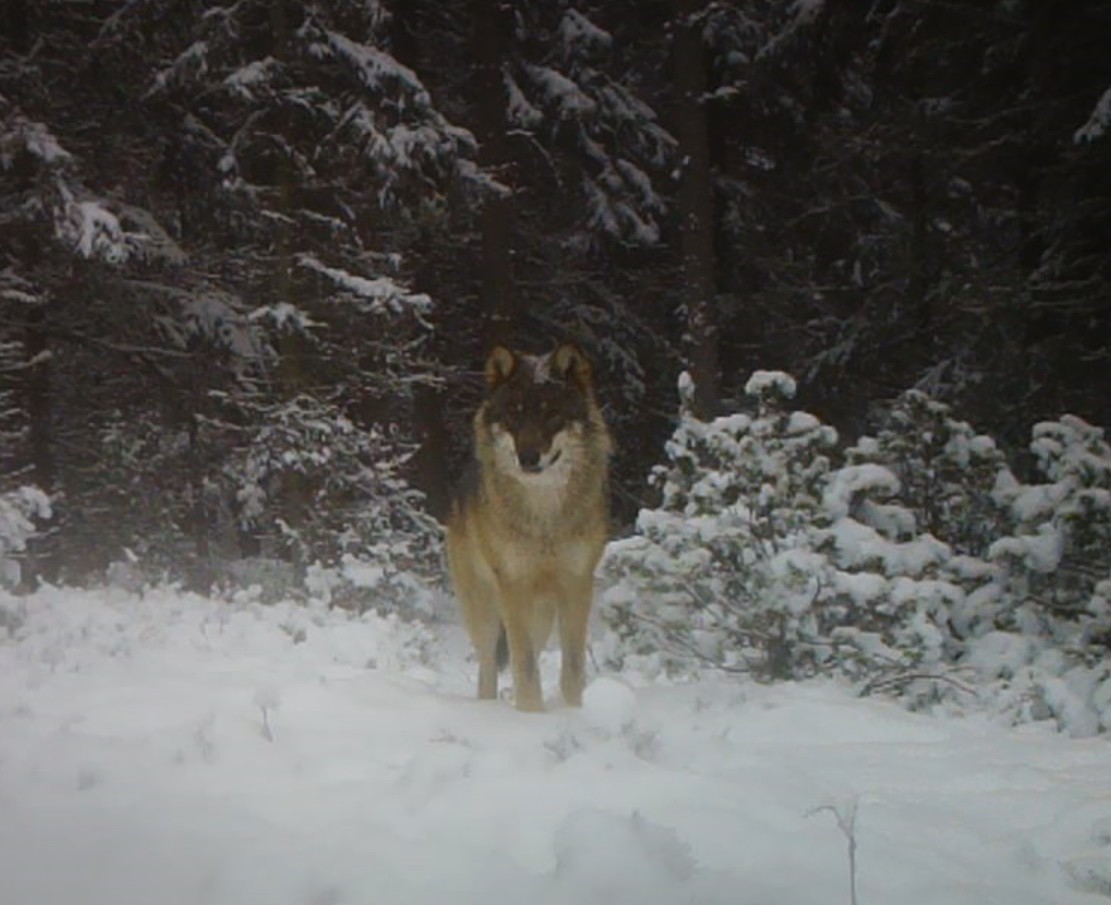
529	459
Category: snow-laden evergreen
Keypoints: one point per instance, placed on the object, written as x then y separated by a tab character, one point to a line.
362	538
919	567
57	201
1051	646
20	510
718	573
570	100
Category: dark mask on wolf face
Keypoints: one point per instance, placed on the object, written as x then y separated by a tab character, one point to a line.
537	408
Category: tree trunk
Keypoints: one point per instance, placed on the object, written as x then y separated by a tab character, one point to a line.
38	400
16	21
918	265
492	37
430	472
200	576
696	211
42	559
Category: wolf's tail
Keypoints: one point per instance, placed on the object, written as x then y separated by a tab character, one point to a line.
501	653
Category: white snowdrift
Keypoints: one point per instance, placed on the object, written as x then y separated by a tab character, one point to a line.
177	750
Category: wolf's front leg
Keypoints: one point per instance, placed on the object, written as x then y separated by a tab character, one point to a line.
486	647
574	614
522	655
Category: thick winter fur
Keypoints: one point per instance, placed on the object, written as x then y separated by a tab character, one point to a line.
528	526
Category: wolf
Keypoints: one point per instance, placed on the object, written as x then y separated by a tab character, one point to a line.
531	518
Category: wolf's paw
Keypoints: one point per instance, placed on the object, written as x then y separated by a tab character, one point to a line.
528	703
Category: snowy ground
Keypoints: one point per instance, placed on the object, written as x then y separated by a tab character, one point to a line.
175	750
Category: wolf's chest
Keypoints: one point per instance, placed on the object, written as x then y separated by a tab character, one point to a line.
548	527
545	506
537	559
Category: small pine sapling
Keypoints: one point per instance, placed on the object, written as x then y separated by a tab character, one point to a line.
715	574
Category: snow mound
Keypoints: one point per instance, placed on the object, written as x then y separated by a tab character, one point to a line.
625	860
765	383
609	704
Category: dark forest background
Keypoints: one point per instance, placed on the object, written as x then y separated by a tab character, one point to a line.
252	253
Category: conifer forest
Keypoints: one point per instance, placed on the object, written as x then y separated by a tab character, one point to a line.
843	268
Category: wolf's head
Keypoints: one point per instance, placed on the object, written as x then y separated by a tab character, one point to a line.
539	413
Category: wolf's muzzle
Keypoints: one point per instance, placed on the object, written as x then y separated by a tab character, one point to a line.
532	462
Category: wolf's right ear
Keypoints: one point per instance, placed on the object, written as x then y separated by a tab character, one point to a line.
500	365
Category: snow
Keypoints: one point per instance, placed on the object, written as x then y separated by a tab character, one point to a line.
1034	502
518	110
861	545
381	294
561	92
283	316
21	135
374	68
1040	552
255	75
850	482
192	63
1098	122
18	510
93	231
609	704
577	34
762	382
806	11
178	750
215	315
613	216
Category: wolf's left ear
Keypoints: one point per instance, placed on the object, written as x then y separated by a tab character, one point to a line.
500	365
569	363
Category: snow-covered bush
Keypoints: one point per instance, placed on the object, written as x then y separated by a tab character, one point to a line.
18	510
376	580
323	492
763	557
1056	581
910	517
16	507
947	472
887	590
1061	546
711	576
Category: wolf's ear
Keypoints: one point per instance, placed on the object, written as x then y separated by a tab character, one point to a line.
500	365
569	363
